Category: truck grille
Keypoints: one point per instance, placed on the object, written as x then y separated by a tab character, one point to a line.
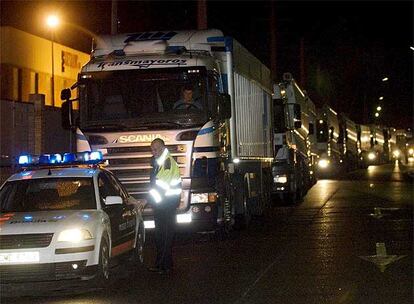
132	165
21	241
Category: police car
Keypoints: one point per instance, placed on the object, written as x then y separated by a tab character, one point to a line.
66	217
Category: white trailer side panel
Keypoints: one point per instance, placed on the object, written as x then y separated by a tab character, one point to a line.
252	97
252	118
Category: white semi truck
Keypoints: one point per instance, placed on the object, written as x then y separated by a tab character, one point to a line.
348	142
292	169
327	137
224	148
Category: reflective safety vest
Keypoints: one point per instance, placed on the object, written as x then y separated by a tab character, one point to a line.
167	179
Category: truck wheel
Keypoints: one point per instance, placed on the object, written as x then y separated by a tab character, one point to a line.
288	198
243	220
103	274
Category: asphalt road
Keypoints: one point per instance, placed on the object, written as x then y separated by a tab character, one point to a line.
349	241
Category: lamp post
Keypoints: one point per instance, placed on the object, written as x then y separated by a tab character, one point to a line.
52	22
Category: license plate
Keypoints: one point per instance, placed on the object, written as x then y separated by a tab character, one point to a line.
19	257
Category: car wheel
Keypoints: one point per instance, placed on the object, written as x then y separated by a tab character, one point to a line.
103	267
138	254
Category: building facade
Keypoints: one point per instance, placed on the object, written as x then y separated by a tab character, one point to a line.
26	66
30	120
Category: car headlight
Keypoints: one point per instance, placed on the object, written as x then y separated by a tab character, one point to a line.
323	163
371	156
74	235
280	179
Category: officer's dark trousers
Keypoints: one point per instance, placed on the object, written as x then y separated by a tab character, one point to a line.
164	218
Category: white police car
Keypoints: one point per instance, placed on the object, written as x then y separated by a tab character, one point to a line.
65	217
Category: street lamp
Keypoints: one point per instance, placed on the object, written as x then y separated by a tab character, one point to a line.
377	114
385	79
52	21
381	98
379	108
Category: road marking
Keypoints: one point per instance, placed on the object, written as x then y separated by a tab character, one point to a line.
377	213
281	254
381	259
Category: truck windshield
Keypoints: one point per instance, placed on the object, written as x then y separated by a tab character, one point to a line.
48	194
139	97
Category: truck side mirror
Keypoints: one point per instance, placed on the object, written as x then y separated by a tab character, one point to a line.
65	94
67	115
224	106
297	116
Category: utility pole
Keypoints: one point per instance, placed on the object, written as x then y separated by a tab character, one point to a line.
114	17
272	30
202	15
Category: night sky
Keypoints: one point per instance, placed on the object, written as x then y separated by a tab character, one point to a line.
348	46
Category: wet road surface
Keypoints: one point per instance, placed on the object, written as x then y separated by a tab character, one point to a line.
349	241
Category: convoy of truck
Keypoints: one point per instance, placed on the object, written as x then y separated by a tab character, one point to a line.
251	140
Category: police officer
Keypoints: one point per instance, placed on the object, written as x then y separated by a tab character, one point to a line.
165	196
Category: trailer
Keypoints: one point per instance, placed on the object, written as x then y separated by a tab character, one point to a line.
224	150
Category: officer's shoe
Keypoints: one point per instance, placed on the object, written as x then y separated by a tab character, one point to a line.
165	271
154	269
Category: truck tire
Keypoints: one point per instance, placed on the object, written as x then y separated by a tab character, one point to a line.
243	220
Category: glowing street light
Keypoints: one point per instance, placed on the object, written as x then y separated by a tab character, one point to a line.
381	98
377	114
385	79
379	108
52	21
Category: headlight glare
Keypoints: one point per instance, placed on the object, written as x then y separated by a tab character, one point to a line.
323	163
396	153
74	235
280	179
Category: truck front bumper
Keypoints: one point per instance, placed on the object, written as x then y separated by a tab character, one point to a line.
199	217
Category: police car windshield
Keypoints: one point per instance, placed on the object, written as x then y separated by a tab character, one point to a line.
48	194
132	96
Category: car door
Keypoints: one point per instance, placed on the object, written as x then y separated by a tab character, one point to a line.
119	215
129	213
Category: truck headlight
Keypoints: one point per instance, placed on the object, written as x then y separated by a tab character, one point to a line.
396	153
197	198
371	156
280	179
323	163
74	235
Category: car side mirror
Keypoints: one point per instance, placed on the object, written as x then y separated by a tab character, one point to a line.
224	106
113	200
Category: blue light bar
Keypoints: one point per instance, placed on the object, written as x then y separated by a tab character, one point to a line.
89	158
55	159
69	158
25	159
